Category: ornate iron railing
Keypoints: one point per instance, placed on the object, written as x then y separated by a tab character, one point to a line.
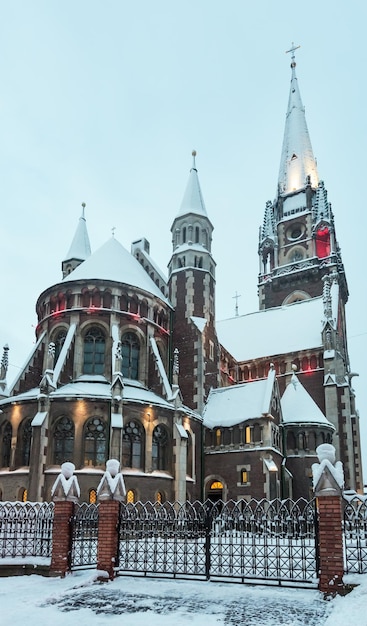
355	535
84	525
26	529
243	540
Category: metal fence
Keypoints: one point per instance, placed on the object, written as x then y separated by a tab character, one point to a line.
258	540
84	525
355	535
26	529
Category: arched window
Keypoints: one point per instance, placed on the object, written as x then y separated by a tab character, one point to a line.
59	342
96	298
23	495
130	496
130	348
197	234
159	448
189	455
95	442
133	445
63	441
94	351
107	299
26	439
159	497
323	242
85	298
92	496
6	445
184	234
218	437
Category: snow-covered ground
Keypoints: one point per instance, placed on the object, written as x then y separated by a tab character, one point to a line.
80	599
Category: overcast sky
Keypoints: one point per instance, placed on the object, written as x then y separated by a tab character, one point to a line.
103	103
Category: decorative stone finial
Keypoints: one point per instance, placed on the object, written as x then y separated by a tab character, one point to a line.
328	475
112	486
66	486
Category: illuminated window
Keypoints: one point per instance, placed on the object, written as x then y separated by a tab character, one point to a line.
130	497
23	495
94	352
323	242
159	448
92	496
248	434
133	445
63	441
6	444
244	476
130	348
216	485
95	442
159	497
211	350
189	454
218	437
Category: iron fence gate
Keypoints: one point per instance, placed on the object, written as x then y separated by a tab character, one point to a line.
26	529
84	528
355	535
260	540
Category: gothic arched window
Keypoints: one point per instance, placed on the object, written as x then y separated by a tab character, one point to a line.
94	351
25	442
95	442
159	448
6	444
59	342
63	441
189	455
130	349
133	445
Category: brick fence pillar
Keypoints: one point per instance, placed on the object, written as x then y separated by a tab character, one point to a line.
330	544
61	538
108	536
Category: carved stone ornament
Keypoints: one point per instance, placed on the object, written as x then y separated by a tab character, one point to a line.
328	475
66	486
112	485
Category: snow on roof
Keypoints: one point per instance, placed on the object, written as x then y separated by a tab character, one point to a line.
280	330
113	262
299	407
228	406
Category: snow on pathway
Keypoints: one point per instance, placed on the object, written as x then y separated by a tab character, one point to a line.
79	599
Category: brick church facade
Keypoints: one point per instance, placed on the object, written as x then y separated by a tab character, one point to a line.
129	364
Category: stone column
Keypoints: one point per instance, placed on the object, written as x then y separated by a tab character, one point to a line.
111	491
65	492
61	538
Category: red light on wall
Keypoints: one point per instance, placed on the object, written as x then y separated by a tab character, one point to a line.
323	242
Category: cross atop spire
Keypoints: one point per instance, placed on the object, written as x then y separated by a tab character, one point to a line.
293	57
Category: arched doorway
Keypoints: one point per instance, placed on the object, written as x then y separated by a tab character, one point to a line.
215	491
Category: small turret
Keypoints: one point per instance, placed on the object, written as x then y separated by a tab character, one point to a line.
79	250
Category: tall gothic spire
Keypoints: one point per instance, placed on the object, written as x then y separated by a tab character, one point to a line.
297	160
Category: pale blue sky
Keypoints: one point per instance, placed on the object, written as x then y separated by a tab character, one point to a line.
103	102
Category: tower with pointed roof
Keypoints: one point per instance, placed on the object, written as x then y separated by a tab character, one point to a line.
192	293
300	260
297	242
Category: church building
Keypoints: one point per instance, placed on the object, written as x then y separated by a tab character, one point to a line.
131	365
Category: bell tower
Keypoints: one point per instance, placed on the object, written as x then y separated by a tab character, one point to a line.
297	241
192	292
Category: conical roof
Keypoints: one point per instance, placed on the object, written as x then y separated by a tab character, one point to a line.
112	262
299	407
80	246
297	159
193	201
